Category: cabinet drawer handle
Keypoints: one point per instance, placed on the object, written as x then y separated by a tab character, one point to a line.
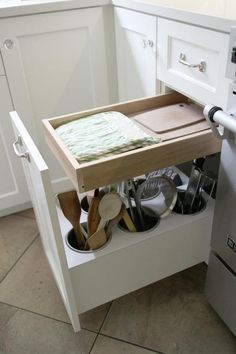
201	66
147	43
24	155
9	44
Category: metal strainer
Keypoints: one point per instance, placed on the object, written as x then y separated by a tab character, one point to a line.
158	193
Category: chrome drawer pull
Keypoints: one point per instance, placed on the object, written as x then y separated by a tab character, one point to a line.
24	155
147	43
201	66
9	44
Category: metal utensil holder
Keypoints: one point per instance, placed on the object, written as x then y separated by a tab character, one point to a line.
201	198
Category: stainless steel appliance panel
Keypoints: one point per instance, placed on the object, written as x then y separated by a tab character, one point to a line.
221	291
224	223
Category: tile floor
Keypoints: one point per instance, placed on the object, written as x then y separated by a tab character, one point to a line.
171	316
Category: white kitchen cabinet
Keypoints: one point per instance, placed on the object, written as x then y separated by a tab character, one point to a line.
62	62
136	54
1	67
13	190
55	64
192	60
127	262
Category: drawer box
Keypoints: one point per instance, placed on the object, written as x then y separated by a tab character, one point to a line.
90	175
193	45
177	243
128	261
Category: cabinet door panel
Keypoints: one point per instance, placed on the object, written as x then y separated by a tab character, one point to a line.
136	57
13	190
56	65
38	180
1	67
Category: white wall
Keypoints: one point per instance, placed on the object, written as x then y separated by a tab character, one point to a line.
221	8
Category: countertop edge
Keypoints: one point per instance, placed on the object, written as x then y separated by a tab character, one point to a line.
30	8
23	8
202	20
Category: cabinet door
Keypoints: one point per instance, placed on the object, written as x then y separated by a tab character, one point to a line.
55	64
136	54
38	180
13	190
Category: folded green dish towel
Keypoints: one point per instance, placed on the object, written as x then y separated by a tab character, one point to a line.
103	134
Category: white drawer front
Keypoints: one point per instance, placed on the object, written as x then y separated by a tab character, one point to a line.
1	67
206	83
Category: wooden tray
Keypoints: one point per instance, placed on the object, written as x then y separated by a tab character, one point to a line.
177	147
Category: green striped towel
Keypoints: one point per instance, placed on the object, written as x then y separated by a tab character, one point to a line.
103	134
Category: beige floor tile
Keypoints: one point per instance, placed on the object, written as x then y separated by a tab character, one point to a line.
171	316
93	319
29	213
104	345
6	312
3	272
31	286
27	333
16	234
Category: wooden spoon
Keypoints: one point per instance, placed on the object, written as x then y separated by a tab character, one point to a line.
109	207
70	206
115	220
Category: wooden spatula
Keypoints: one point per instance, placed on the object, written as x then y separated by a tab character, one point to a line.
128	221
123	214
70	206
97	240
93	214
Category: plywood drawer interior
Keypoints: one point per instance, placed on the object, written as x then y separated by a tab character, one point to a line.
171	150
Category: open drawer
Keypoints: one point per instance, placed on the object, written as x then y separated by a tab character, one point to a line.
181	146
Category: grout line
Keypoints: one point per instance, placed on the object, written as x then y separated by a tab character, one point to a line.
45	316
83	328
18	259
100	327
99	331
97	334
88	330
118	339
5	324
33	312
132	343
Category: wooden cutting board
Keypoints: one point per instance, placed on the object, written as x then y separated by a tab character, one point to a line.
176	116
190	129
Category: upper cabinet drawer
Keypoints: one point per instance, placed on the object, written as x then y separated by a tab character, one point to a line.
193	60
2	72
